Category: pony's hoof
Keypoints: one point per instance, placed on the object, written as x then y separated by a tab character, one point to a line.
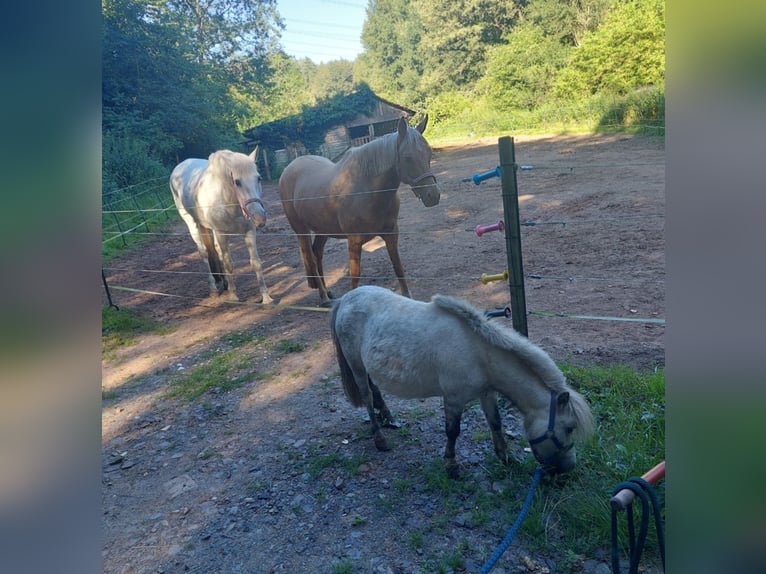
390	422
267	300
327	303
453	469
381	443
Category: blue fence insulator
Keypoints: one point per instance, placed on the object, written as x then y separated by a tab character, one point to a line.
479	177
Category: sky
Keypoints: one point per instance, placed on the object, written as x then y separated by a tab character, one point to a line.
322	30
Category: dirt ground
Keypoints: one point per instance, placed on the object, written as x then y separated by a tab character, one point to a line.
235	481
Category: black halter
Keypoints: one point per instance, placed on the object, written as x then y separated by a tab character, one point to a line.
550	435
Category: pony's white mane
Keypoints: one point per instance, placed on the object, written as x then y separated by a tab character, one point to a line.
537	359
379	155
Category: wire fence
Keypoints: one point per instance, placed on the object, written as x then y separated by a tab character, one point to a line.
129	212
143	210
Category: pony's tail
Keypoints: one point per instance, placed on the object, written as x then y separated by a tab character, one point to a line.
350	387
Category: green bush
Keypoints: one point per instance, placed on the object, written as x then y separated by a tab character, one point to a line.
447	106
520	74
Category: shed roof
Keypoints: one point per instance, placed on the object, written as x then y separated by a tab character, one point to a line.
355	109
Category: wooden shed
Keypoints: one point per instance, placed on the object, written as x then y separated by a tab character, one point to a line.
327	129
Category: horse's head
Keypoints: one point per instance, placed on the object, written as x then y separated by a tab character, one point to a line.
246	182
552	431
414	162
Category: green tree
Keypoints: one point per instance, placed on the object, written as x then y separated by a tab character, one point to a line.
392	62
172	80
221	30
567	20
625	53
332	79
456	35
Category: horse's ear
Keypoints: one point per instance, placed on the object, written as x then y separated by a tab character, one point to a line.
562	399
254	155
421	127
402	128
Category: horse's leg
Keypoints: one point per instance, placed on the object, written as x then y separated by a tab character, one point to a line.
313	278
205	247
452	416
355	259
392	245
223	246
214	261
255	262
489	406
317	248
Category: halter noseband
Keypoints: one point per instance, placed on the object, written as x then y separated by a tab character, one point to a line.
420	178
244	204
550	435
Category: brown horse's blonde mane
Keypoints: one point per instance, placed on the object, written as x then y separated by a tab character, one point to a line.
379	155
534	357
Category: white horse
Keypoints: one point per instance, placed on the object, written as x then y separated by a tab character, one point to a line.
448	348
219	197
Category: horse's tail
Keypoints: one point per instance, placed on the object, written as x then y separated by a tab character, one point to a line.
350	387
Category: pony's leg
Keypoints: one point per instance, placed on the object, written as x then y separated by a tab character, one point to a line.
317	248
392	245
377	402
368	392
313	278
452	416
255	263
489	406
223	246
355	259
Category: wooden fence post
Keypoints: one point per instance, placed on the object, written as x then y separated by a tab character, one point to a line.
513	234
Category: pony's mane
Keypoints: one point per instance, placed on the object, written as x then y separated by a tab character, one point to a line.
537	359
534	357
379	155
582	414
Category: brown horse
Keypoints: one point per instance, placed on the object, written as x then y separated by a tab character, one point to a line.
356	199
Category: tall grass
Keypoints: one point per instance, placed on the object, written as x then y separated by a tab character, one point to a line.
640	111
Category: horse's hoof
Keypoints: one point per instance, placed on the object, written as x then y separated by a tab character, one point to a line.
326	303
267	300
381	443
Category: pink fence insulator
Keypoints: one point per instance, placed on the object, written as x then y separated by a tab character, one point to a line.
482	229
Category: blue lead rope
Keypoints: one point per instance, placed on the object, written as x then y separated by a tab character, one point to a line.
489	564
